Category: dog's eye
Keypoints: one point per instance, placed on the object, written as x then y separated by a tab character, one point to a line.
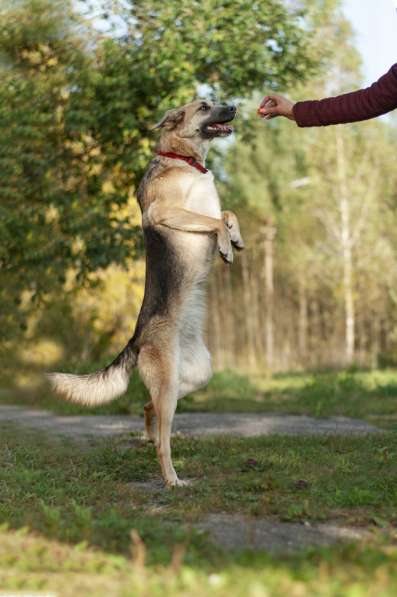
205	108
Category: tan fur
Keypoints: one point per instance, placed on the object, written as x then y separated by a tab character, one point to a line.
184	226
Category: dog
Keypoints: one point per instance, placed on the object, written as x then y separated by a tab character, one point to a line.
183	228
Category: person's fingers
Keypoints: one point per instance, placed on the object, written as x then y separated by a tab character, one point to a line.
264	101
269	110
270	99
276	105
269	104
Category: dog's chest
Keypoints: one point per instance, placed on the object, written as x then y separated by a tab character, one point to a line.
202	196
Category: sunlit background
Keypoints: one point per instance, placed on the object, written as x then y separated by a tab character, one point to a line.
302	328
287	302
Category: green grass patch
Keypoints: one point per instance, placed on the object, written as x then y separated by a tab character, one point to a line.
70	508
362	394
75	492
34	563
370	395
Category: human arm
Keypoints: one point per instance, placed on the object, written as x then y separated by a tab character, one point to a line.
378	99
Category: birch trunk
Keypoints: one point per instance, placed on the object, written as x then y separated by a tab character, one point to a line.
229	317
302	324
248	311
346	243
269	236
215	332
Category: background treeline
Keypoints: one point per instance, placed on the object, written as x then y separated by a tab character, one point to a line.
316	287
80	87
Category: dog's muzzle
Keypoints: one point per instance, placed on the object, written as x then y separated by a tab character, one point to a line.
216	124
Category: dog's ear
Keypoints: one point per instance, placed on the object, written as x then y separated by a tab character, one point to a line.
170	120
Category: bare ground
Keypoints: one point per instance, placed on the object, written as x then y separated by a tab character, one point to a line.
192	424
229	531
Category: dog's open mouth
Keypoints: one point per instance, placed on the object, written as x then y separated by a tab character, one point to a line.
218	129
217	124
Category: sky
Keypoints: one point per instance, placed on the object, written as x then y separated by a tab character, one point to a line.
375	24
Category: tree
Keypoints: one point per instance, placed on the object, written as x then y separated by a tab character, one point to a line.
75	116
331	193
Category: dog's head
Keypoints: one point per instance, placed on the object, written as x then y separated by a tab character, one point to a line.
195	124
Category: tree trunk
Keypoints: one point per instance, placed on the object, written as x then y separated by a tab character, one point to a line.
255	291
269	235
229	323
302	323
347	256
215	331
316	350
376	331
248	311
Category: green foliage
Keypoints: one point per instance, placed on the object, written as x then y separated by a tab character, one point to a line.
234	46
75	114
55	213
331	194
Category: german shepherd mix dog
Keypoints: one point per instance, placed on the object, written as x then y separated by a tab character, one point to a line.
183	227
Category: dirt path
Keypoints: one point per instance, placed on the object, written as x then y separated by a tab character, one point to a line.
233	531
229	531
192	424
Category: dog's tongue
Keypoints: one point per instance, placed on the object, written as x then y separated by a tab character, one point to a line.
219	127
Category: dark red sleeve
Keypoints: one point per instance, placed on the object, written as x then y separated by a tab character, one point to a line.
378	99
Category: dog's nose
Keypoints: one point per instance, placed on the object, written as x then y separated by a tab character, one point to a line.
231	109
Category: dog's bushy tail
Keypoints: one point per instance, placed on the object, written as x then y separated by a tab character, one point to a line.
100	387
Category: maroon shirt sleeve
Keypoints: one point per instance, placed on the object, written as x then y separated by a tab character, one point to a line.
378	99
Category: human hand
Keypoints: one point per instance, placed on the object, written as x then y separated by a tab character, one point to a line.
276	105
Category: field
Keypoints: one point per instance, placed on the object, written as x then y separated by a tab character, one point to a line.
370	395
86	516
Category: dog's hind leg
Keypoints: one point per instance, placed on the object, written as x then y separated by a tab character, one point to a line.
148	411
158	367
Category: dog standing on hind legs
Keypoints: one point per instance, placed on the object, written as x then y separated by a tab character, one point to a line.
183	227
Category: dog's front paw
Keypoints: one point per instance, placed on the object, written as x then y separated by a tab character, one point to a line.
233	227
227	257
225	246
237	240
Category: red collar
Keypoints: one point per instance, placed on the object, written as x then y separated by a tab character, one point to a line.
190	160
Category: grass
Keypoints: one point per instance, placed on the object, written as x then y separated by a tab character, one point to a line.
363	394
68	509
38	564
72	508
